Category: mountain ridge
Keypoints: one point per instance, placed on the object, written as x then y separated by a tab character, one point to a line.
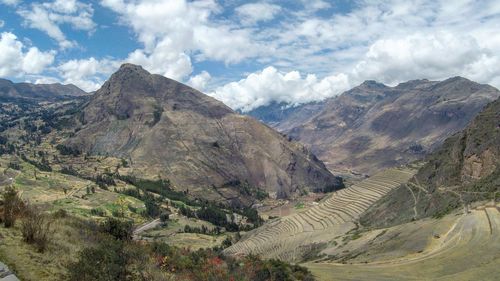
351	130
38	92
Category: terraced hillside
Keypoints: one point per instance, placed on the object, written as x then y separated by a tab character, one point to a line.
468	249
291	237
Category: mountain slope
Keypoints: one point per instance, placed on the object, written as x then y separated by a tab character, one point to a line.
466	168
37	92
374	126
165	128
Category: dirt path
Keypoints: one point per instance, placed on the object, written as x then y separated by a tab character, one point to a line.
140	229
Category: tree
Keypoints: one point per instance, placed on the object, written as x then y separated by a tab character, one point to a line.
152	208
121	230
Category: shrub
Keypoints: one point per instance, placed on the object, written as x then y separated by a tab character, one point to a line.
121	230
105	262
164	216
98	212
36	228
13	206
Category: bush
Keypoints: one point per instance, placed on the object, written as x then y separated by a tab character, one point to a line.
36	228
121	230
12	206
105	262
98	212
165	216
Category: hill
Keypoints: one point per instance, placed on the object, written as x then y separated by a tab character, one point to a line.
37	92
374	126
163	127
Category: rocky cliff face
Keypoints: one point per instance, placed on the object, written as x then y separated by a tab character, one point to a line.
374	126
166	128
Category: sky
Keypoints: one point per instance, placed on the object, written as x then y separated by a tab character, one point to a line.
251	53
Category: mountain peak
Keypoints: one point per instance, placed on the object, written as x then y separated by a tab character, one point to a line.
128	69
372	84
131	66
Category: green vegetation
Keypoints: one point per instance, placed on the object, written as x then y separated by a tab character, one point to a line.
66	150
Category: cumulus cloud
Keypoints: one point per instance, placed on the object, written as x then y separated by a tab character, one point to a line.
88	74
174	31
2	23
49	16
436	56
200	81
261	88
163	60
252	13
18	60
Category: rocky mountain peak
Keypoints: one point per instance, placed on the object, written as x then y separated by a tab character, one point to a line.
372	84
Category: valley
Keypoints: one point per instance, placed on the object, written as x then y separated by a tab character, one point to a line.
114	166
237	140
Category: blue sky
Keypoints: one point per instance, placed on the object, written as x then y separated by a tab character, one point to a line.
250	53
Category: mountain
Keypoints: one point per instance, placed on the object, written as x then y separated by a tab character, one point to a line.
166	128
374	126
465	169
283	116
37	92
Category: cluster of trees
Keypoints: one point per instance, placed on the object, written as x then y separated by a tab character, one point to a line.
43	165
6	147
66	150
245	188
202	230
213	214
152	204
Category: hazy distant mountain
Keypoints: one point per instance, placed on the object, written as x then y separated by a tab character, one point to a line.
283	116
37	92
165	127
374	126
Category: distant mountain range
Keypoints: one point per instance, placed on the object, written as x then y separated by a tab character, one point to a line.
166	128
374	126
37	92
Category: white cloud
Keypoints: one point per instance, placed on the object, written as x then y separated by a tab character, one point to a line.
49	16
88	74
174	31
268	85
253	13
434	56
200	81
2	23
10	2
16	61
163	60
46	80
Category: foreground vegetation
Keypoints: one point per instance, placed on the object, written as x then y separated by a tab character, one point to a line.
41	245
